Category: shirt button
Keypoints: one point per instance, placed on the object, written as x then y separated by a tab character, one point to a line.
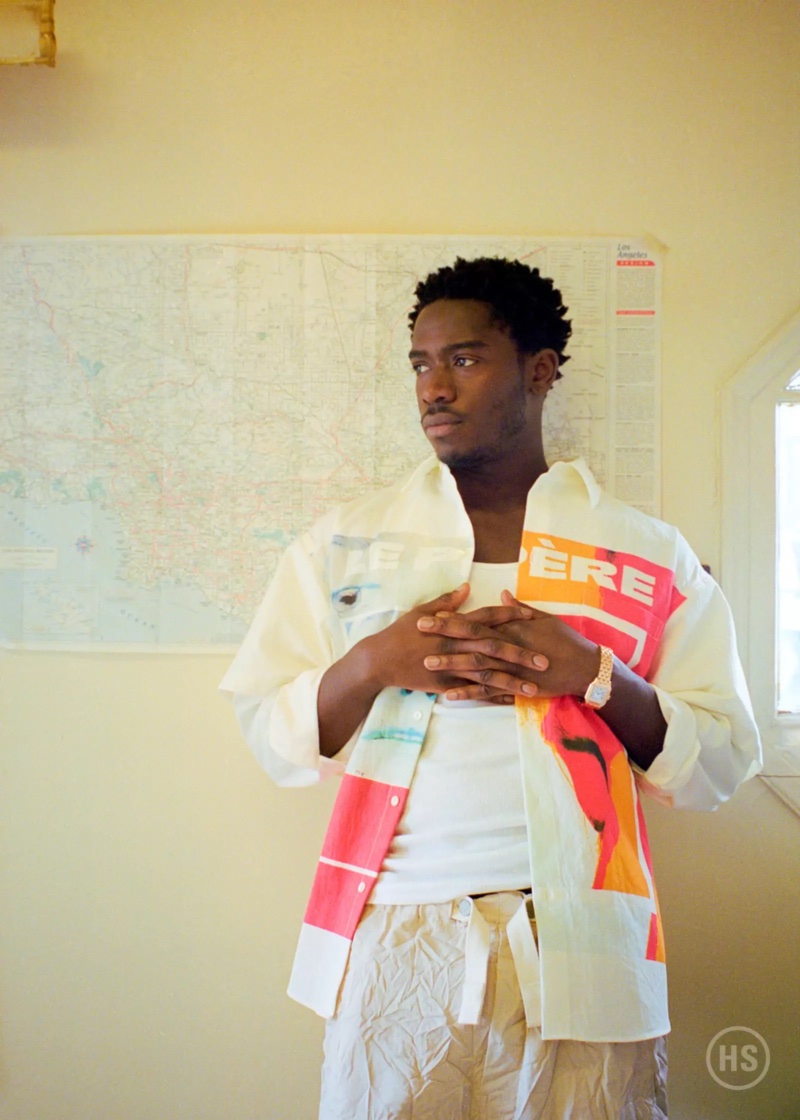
417	715
394	800
465	906
362	886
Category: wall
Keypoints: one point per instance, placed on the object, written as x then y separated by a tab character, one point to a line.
152	880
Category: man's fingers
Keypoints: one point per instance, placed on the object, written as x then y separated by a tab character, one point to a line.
485	657
510	601
449	601
463	636
489	651
453	625
488	684
478	692
496	616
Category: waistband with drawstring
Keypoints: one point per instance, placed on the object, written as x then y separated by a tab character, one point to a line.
513	912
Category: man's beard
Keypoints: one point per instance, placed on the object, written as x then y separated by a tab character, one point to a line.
464	462
513	423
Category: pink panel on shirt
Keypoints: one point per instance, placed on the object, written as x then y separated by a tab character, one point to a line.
617	585
336	902
677	598
606	634
364	821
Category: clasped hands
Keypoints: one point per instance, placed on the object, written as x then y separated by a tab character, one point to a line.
491	654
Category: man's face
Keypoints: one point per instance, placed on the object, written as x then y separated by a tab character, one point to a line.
470	381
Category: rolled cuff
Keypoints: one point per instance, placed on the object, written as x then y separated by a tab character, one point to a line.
282	732
673	766
706	755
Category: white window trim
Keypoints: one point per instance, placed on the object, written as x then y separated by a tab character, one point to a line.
748	540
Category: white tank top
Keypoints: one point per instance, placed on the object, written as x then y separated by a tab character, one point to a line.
463	829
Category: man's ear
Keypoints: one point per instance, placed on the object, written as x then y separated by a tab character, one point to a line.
541	370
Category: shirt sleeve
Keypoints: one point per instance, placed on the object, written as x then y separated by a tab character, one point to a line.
275	676
712	743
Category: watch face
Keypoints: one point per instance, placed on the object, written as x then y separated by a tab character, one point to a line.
598	694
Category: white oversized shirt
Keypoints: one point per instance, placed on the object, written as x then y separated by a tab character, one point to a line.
621	578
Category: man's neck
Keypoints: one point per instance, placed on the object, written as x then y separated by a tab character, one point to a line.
495	502
495	487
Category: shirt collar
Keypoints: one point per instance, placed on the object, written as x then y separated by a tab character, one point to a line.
579	466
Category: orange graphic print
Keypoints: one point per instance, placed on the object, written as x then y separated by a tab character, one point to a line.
655	942
622	601
615	598
598	767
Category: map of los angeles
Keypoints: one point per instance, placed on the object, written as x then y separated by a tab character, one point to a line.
176	410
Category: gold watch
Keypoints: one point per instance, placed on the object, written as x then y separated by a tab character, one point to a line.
599	690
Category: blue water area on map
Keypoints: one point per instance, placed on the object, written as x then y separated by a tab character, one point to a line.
84	598
90	368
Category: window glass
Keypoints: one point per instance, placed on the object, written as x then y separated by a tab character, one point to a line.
761	544
788	540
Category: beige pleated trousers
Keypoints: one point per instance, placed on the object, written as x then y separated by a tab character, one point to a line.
395	1049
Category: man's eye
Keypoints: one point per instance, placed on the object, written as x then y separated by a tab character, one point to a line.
418	367
463	362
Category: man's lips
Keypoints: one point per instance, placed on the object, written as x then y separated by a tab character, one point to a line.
439	423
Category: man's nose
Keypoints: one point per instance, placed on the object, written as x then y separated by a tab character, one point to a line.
438	384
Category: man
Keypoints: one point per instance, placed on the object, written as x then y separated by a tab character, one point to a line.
496	655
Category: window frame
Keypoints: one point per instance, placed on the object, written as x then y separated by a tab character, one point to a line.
749	547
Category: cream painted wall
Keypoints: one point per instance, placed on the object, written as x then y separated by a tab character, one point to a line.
152	880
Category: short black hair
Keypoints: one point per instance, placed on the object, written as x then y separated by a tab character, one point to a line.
523	301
